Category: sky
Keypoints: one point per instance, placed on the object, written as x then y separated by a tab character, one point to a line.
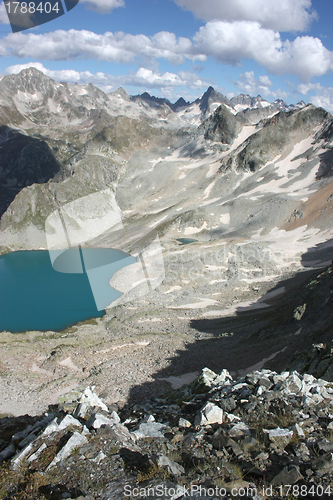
172	48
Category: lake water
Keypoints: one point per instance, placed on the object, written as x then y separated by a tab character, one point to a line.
34	296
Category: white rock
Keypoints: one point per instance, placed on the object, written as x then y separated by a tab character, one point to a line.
239	386
173	467
223	378
100	456
278	432
207	377
239	430
51	428
75	441
309	379
85	431
149	430
35	455
67	422
210	414
97	420
17	461
299	431
232	418
292	384
149	418
90	398
183	423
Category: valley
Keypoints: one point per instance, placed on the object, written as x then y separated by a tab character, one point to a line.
228	202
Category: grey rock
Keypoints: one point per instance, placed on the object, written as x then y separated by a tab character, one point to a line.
173	467
35	455
29	439
7	452
239	430
280	437
210	414
116	432
149	430
75	441
288	475
265	382
99	457
325	445
183	423
98	419
69	421
292	384
323	465
228	404
302	452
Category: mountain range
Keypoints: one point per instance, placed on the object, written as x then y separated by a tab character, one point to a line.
239	192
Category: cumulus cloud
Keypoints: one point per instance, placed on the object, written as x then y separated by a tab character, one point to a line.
251	85
116	47
144	77
282	15
304	88
323	97
229	43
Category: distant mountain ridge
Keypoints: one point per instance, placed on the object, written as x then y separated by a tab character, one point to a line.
31	99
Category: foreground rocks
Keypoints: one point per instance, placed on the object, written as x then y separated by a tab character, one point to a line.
263	435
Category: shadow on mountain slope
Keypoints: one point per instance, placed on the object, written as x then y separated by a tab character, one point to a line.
297	315
24	161
318	256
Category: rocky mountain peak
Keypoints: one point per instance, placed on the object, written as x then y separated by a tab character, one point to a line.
209	97
121	92
29	80
180	103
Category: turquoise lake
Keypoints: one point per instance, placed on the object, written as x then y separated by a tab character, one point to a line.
34	296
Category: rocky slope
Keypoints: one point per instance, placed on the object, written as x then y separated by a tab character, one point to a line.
259	435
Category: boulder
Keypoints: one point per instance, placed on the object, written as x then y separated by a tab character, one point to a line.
75	441
149	430
210	414
98	419
288	475
174	468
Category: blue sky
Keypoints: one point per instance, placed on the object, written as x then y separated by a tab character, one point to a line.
279	49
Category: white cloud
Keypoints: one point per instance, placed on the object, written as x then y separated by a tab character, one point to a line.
282	15
151	79
229	43
323	98
3	14
103	6
304	88
250	85
144	77
116	47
